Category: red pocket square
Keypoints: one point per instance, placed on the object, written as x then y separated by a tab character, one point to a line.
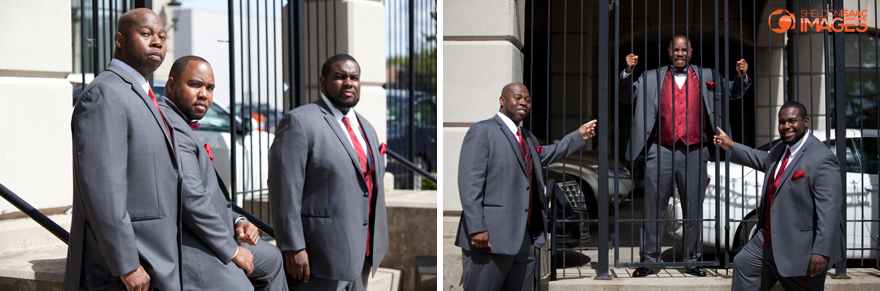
710	85
798	175
538	149
208	149
382	148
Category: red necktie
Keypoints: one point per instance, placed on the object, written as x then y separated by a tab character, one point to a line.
770	193
362	159
194	125
527	158
156	102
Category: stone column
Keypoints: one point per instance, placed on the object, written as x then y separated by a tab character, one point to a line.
769	78
482	43
35	155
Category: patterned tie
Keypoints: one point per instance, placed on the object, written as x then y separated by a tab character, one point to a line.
362	160
156	102
527	158
772	192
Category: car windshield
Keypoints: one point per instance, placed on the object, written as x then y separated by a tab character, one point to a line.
869	156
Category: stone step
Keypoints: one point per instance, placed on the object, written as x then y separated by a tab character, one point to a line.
25	235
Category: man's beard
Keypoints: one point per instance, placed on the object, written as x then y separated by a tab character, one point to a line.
797	138
338	102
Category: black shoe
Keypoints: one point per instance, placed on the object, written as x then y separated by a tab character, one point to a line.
696	271
642	271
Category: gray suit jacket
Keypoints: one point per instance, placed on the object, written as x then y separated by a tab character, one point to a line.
494	187
806	215
125	196
650	85
208	235
318	194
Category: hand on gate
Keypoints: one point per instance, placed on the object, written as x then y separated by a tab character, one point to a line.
631	62
742	67
723	140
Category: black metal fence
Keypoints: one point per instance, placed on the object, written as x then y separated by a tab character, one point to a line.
574	56
275	62
411	58
276	48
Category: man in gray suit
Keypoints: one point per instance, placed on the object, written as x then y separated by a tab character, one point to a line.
125	225
325	187
673	119
208	221
801	209
504	208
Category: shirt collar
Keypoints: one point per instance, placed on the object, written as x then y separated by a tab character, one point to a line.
352	118
798	145
510	125
134	74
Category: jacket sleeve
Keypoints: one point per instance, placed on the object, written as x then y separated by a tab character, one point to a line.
199	213
561	148
100	154
828	197
629	89
288	157
738	87
473	165
749	157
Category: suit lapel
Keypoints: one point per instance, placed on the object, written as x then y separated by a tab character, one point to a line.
789	169
342	136
511	139
136	88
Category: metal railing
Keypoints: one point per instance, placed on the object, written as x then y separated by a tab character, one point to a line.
834	73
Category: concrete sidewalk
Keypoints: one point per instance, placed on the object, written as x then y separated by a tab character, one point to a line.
582	268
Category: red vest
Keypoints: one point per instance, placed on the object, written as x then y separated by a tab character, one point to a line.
684	107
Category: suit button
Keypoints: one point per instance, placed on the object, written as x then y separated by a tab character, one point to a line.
365	223
228	204
366	194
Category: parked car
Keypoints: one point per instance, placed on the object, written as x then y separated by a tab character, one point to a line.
745	185
266	116
578	182
425	123
252	150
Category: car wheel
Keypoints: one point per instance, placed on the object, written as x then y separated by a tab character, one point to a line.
744	231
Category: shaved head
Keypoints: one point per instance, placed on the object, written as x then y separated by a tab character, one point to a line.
515	86
140	40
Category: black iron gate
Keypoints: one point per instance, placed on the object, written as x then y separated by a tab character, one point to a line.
574	57
276	50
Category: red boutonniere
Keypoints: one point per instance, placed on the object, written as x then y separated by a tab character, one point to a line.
798	175
538	149
710	85
208	149
382	148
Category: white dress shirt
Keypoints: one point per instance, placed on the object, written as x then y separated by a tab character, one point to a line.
510	125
